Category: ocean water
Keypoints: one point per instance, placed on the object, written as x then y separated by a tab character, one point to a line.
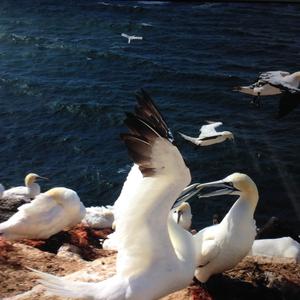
67	77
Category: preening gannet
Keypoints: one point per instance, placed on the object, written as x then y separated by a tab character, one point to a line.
220	247
30	190
209	136
281	247
131	37
275	83
149	264
99	217
47	214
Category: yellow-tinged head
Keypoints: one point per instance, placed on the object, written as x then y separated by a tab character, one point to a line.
31	178
234	184
57	194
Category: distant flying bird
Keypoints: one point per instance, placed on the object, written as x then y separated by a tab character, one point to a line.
276	83
131	37
29	191
208	135
47	214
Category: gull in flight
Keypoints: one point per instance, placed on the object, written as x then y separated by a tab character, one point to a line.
276	83
220	247
47	214
281	247
29	191
156	256
131	37
209	136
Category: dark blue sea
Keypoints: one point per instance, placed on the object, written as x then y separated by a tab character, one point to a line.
67	77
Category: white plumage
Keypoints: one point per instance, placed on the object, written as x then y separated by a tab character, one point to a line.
280	247
131	37
275	83
182	215
29	191
220	247
99	217
209	136
156	256
50	212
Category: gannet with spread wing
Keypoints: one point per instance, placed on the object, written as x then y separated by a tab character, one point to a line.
131	37
275	83
208	135
154	258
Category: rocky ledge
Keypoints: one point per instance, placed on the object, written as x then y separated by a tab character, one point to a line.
77	255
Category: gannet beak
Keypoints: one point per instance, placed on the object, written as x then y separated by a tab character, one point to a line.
186	194
215	188
41	177
179	214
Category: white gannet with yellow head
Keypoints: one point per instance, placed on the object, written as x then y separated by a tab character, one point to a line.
182	215
50	212
220	247
209	136
29	191
276	83
156	256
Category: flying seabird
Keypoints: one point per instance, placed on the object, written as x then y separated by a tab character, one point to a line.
220	247
48	213
29	191
276	83
281	247
209	135
131	37
156	256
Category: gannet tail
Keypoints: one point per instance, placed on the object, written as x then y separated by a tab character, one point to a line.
189	138
81	290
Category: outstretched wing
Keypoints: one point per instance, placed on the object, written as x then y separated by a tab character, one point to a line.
189	138
125	35
165	175
287	103
276	79
210	129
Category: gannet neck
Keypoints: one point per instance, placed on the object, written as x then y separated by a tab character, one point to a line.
296	75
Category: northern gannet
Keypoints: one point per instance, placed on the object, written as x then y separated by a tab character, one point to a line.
209	136
275	83
99	217
47	214
151	263
281	247
131	37
182	215
29	191
220	247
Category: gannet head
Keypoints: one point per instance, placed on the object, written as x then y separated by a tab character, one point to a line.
297	75
57	194
234	184
228	135
184	209
31	178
